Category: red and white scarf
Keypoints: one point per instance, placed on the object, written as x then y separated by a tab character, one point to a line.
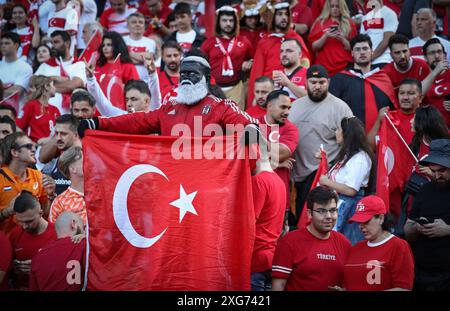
227	65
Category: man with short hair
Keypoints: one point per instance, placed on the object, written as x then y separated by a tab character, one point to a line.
230	54
185	35
31	235
7	126
16	176
115	18
426	25
65	137
312	258
15	74
139	47
366	89
171	53
403	65
317	116
67	258
437	81
66	73
82	104
428	224
7	110
281	135
293	78
263	86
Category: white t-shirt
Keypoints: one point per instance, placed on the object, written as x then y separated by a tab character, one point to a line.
185	40
416	44
44	11
355	173
65	19
88	15
139	46
375	24
73	70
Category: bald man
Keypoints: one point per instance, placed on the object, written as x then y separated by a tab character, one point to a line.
67	258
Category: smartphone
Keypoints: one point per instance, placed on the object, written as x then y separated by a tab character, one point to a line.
334	28
422	221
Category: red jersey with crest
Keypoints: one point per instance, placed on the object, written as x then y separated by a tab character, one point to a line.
253	35
166	82
379	266
38	121
298	77
419	70
240	51
210	110
26	36
438	90
310	263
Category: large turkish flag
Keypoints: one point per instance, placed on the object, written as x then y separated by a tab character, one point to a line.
158	223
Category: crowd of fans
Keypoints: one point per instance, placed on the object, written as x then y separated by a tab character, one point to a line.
322	75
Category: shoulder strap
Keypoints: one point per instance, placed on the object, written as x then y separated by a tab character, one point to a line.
6	176
294	72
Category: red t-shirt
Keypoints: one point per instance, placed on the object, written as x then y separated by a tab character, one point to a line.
332	55
302	14
25	245
241	51
286	135
256	111
253	35
418	70
166	82
402	122
67	262
438	90
5	260
38	121
269	202
309	263
379	266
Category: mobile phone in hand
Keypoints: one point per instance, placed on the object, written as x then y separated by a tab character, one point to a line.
422	221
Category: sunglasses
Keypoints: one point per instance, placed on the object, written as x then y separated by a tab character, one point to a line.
29	146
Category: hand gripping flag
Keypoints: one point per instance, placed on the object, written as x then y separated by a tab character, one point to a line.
160	223
90	53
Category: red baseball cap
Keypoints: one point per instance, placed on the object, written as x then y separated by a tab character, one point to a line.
368	207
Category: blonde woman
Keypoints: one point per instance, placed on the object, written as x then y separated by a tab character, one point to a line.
39	116
330	36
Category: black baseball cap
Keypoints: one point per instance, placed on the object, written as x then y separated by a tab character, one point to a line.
317	71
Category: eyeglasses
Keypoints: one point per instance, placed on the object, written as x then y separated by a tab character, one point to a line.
324	211
29	146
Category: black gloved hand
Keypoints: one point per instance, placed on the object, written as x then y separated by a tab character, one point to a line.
87	124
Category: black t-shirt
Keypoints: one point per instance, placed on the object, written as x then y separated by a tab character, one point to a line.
432	254
51	169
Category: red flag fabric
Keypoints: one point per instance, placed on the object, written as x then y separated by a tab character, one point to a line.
321	170
161	223
109	78
394	165
90	53
12	100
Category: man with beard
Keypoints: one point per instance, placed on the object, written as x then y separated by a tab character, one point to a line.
428	224
403	65
17	176
230	54
194	104
65	137
365	89
169	77
293	78
82	104
67	258
439	78
317	116
267	55
312	258
281	134
32	234
66	73
263	86
65	18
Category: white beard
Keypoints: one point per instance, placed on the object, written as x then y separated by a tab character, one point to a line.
190	94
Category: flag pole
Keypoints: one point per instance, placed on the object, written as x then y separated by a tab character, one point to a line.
9	97
401	138
117	57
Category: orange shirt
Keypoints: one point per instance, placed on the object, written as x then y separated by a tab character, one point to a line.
70	200
11	186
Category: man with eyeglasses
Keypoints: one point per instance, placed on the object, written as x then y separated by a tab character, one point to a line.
16	176
437	82
312	258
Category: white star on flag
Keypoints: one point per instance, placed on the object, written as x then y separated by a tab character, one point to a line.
184	203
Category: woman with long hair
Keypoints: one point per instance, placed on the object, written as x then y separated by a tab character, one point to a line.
350	174
43	55
330	36
114	68
29	34
39	117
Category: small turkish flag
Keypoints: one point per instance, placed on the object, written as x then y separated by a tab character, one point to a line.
90	53
156	223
